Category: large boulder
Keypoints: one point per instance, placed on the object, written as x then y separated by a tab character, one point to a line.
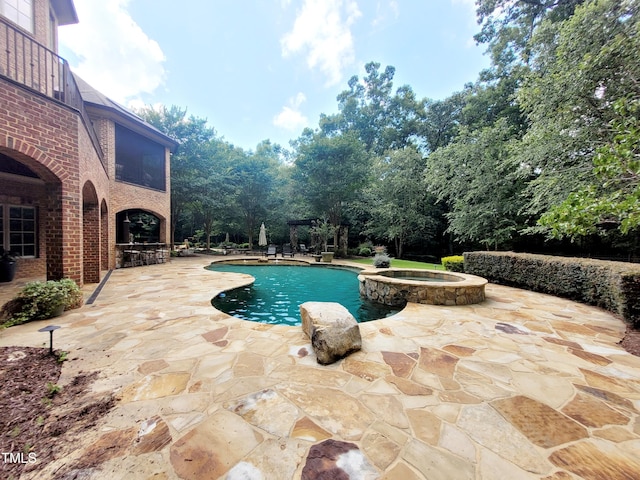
333	331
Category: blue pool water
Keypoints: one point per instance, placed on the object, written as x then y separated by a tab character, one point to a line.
279	290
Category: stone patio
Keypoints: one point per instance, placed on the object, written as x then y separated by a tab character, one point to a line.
521	386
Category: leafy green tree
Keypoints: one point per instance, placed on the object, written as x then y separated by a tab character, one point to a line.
614	199
401	210
380	119
255	177
473	177
210	191
330	171
442	121
508	26
581	67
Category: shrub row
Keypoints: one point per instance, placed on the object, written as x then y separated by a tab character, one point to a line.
614	286
454	263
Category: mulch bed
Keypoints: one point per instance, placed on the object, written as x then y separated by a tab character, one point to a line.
631	341
39	419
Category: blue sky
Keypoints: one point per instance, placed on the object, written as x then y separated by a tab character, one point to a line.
258	69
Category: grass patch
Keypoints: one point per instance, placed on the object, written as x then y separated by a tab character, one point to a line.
398	263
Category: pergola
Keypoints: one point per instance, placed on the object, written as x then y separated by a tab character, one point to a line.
343	235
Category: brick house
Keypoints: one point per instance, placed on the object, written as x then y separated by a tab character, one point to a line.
76	169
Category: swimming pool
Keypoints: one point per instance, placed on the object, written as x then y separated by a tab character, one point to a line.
279	290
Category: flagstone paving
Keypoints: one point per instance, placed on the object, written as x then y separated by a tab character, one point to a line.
521	386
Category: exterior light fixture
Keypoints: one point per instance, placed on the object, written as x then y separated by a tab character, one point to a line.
50	329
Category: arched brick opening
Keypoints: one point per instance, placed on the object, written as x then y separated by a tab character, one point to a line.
91	241
29	183
152	229
104	235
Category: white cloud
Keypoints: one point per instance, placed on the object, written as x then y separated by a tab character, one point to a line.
322	30
384	10
290	117
114	55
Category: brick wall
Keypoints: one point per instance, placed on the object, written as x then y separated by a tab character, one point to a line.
41	14
76	233
43	135
94	178
91	243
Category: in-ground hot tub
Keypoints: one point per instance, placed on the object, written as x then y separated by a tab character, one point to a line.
397	286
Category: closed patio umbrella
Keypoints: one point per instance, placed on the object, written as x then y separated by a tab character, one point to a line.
262	238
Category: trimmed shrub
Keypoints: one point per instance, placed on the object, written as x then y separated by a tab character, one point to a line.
454	263
364	252
614	286
41	300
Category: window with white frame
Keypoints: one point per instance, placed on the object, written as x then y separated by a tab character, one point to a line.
19	12
18	230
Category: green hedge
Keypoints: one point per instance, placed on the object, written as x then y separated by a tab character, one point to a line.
454	263
614	286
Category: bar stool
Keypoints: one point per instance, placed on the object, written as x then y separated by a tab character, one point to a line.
134	257
148	257
160	255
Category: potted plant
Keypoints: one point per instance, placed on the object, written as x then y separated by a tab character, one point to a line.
8	264
381	260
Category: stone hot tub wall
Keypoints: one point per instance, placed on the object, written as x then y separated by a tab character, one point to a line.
388	286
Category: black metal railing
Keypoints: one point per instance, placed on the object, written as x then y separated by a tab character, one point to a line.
34	66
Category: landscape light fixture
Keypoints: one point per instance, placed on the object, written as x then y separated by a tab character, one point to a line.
50	329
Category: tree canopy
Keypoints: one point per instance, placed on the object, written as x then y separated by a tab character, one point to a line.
542	146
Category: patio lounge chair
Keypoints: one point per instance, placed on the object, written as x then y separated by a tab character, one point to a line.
271	250
303	249
287	251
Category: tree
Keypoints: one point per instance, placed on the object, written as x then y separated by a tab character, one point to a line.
330	171
473	177
210	191
442	121
508	26
401	210
614	200
380	120
582	67
255	177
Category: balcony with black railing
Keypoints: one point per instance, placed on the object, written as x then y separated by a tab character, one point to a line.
34	66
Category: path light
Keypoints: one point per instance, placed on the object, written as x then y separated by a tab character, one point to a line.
50	329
